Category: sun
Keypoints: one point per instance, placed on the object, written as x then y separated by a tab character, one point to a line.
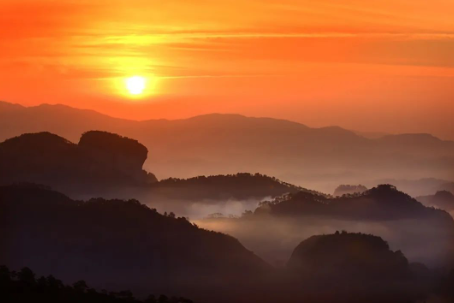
136	85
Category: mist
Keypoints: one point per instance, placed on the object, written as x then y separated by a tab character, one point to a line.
274	239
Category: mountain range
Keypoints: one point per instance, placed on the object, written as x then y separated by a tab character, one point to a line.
276	226
111	166
442	199
118	244
318	158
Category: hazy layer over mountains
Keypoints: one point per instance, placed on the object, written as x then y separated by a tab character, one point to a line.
424	234
317	158
107	165
115	244
442	199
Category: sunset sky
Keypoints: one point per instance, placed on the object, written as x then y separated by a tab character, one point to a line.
376	65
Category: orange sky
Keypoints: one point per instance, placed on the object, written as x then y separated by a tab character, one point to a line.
376	65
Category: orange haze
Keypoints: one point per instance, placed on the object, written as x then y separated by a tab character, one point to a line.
377	65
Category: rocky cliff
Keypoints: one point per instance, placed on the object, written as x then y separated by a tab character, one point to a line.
99	160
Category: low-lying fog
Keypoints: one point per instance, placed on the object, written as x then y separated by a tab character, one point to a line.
275	238
196	210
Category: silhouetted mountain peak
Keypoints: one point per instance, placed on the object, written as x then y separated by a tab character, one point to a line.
349	256
61	108
37	142
217	116
383	191
100	159
236	121
442	199
338	131
444	194
124	154
6	107
411	138
343	240
389	195
113	143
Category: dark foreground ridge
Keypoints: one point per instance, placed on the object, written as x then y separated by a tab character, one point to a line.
117	245
24	286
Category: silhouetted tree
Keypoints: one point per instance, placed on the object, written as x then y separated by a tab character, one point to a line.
24	288
150	299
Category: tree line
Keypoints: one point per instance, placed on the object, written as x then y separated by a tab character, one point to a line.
24	287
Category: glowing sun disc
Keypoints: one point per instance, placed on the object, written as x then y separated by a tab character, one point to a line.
135	85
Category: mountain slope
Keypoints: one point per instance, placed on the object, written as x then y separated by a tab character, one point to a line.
116	245
353	266
356	257
442	200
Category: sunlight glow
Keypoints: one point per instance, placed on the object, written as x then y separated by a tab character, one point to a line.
135	85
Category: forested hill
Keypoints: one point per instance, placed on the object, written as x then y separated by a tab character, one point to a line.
116	244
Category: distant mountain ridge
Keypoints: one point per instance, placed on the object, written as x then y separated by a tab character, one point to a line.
384	202
214	117
419	187
441	199
318	158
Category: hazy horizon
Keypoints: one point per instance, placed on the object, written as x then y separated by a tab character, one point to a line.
367	134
